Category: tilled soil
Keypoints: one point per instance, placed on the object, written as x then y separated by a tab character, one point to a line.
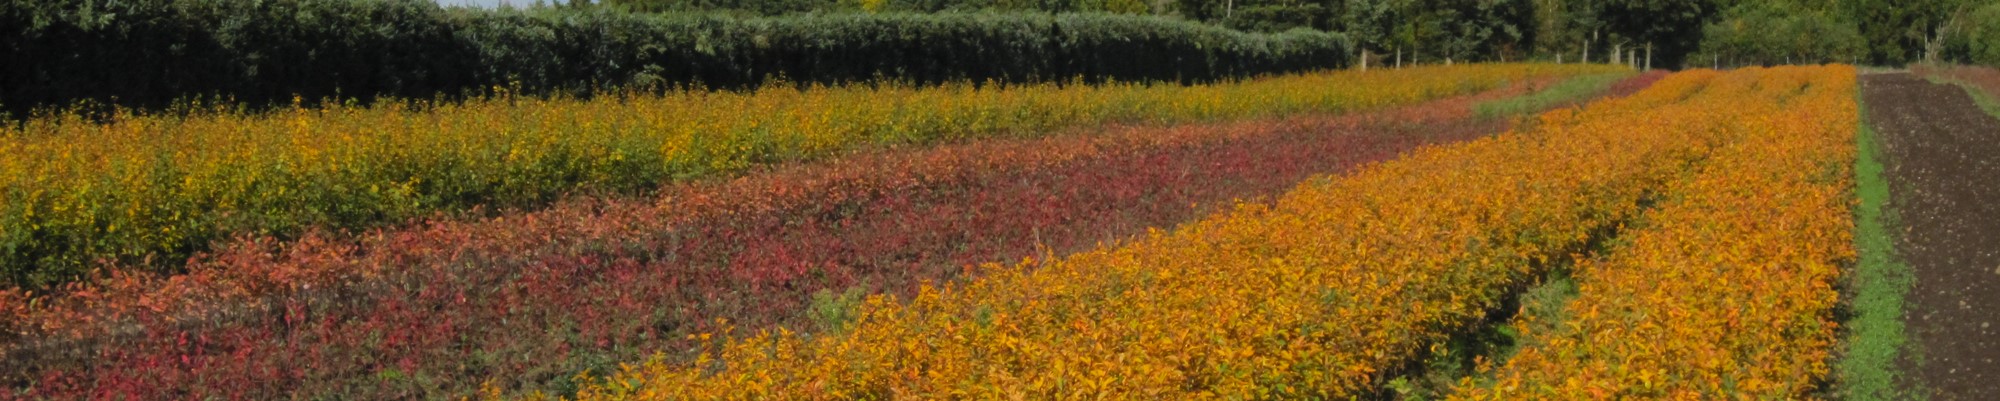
1944	173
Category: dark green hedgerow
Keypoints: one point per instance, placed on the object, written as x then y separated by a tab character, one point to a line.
154	52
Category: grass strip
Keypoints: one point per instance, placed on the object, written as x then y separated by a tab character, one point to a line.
1875	336
1985	100
1569	90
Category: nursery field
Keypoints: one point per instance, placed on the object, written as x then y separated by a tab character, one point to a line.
1710	210
521	294
144	192
1469	232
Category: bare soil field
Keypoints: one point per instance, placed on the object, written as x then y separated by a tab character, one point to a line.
1944	169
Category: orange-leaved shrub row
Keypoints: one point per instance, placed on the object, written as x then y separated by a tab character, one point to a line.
74	192
1726	290
1322	294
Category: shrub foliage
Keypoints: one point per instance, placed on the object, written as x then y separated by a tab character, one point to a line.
153	52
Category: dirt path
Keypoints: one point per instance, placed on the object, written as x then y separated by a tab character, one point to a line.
1944	171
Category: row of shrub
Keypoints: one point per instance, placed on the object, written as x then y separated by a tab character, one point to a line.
153	52
151	190
1324	293
1727	288
525	301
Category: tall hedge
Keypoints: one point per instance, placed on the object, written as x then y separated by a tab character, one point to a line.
151	52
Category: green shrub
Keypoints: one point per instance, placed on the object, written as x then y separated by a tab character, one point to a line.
1978	40
149	53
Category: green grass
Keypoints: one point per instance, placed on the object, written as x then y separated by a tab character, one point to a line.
1868	69
1570	90
836	312
1985	100
1876	339
1544	306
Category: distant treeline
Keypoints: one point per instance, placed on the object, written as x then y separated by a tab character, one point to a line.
1880	32
148	53
1674	33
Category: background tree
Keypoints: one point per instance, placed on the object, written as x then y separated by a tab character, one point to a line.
1936	21
1370	23
1978	39
1568	28
1672	28
1782	31
749	7
1897	31
1432	30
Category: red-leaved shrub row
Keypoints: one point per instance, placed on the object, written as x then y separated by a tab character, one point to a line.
527	300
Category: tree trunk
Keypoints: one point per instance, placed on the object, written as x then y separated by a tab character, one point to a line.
1649	57
1934	43
1586	47
1617	50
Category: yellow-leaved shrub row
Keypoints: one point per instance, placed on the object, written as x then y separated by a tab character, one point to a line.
1322	294
1726	291
74	191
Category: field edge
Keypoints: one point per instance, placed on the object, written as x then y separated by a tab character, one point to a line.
1875	340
